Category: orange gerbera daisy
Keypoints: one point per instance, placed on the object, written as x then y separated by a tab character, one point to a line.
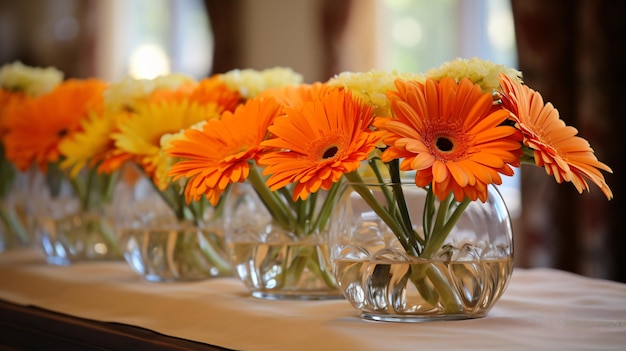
7	99
319	142
556	147
451	134
38	125
218	155
297	95
181	93
214	90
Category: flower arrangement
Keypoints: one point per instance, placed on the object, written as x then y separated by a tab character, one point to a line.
18	83
38	127
458	128
36	124
88	130
455	129
151	115
157	116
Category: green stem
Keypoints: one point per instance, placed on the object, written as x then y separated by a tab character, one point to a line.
427	215
13	225
213	255
305	257
440	233
187	250
301	216
443	287
359	186
270	199
54	178
308	220
315	267
293	268
88	188
108	188
374	166
196	209
430	280
101	228
327	208
7	174
405	218
172	200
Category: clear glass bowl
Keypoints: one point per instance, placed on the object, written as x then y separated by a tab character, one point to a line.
159	245
272	262
463	279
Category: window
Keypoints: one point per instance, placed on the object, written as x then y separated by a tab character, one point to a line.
416	35
147	38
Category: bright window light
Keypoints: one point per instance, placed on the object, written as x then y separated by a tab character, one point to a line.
148	61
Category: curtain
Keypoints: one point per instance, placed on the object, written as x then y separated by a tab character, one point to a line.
226	29
574	53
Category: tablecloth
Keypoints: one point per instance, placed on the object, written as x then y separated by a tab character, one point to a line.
542	309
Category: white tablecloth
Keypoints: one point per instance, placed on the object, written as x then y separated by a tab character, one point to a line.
542	309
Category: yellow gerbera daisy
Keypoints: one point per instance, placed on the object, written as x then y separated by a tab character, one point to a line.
90	145
451	134
556	147
140	134
218	155
318	142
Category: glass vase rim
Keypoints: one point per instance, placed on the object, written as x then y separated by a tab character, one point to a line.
377	182
403	181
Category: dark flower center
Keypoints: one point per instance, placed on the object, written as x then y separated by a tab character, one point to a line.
444	144
330	152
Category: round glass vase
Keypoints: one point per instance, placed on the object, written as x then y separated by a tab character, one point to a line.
72	216
461	277
272	261
163	238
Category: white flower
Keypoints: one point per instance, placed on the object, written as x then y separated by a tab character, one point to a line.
32	81
250	82
482	72
371	86
124	95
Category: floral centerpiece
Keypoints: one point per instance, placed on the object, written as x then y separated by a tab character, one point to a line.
18	83
165	237
276	231
37	129
459	128
456	130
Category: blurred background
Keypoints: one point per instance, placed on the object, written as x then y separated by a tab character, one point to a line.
572	51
